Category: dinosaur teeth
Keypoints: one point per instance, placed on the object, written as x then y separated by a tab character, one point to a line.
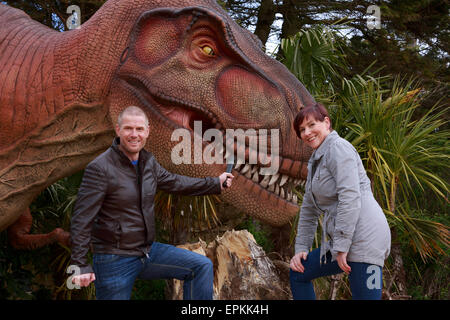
227	154
279	184
274	178
219	148
289	195
255	177
283	180
245	169
265	181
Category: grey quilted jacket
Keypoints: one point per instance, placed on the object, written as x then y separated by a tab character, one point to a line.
338	187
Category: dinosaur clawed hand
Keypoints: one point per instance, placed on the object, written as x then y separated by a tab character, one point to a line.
20	237
61	236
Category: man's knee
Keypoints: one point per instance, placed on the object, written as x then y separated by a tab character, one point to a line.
206	264
204	269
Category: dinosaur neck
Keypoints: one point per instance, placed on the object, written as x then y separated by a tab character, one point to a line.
27	74
44	72
90	56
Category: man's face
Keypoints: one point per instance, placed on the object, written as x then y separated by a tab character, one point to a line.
133	133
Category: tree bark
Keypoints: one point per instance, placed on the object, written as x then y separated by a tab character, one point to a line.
334	286
266	17
291	22
398	273
242	270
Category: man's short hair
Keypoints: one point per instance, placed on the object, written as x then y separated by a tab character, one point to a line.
132	111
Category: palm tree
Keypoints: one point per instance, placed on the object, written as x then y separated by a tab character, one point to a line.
181	214
315	57
401	154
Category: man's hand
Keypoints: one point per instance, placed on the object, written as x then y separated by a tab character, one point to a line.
296	263
342	262
225	177
83	280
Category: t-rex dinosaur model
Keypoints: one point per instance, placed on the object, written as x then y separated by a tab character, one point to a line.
180	60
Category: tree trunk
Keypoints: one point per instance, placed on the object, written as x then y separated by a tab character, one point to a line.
398	273
396	253
335	284
291	21
266	17
242	270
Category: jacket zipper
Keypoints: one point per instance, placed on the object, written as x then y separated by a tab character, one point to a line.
139	183
119	233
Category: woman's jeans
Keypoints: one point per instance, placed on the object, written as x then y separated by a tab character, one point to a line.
365	279
115	274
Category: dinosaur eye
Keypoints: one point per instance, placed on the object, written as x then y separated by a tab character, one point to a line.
204	48
208	50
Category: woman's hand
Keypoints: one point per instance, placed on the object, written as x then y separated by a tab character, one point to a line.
342	262
296	263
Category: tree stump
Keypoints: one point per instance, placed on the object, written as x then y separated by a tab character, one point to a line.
242	270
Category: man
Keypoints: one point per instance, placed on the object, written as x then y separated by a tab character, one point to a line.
114	212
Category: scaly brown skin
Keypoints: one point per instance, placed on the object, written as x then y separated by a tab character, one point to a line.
60	91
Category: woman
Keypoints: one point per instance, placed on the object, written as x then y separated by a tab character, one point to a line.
356	238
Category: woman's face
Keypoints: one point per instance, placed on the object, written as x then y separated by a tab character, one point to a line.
313	132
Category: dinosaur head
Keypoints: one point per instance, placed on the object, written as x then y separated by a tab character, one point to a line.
188	64
182	61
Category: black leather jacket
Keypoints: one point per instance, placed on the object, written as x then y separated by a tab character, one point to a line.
114	210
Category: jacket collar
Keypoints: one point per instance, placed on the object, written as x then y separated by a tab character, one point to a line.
320	151
143	154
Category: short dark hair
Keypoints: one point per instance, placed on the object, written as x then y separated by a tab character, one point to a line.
317	111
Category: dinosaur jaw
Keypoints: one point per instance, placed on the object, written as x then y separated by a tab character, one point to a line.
269	198
278	185
259	202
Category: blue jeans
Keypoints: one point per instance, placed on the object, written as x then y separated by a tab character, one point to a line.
365	279
115	274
